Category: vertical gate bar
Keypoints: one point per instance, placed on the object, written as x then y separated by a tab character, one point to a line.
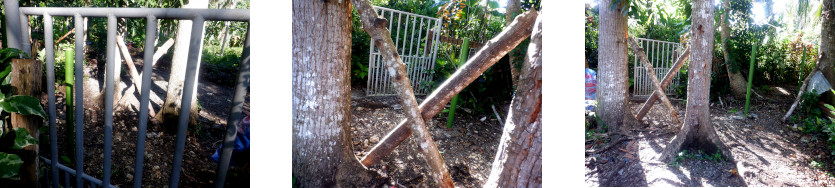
188	93
13	37
50	93
402	48
409	55
395	37
235	112
79	97
66	179
108	101
435	45
24	31
420	61
150	37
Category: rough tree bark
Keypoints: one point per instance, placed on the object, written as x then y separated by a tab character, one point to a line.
375	26
613	81
518	161
494	50
26	80
659	88
322	150
664	83
176	80
698	132
513	8
827	45
737	81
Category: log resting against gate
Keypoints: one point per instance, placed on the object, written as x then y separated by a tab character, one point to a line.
519	30
664	83
376	27
639	52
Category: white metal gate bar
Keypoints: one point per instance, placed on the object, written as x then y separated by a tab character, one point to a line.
20	30
661	55
411	34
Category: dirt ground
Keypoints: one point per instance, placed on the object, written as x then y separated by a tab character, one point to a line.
198	169
766	151
467	148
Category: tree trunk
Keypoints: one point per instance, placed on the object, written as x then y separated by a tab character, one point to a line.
613	80
513	8
26	80
827	45
737	81
176	80
494	50
376	28
518	161
226	29
698	132
322	147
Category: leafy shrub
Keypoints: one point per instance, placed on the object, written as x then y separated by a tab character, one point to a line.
221	69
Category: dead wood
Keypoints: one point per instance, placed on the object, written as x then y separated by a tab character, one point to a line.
162	50
664	83
639	51
381	36
495	49
800	91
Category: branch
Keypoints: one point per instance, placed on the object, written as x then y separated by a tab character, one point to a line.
651	71
664	83
376	28
519	30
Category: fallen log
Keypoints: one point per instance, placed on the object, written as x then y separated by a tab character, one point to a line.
639	52
376	28
802	87
664	83
519	30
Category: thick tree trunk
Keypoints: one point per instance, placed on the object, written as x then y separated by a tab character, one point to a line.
518	161
827	45
698	132
376	28
322	150
494	50
176	80
26	80
613	81
513	8
737	81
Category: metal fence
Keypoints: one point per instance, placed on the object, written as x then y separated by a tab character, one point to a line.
413	36
662	55
18	37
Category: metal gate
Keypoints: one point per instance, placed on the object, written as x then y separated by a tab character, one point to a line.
413	36
662	55
17	29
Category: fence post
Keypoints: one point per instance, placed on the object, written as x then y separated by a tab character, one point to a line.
26	79
12	22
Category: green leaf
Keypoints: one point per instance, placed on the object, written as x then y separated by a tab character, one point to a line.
23	139
22	104
9	165
6	72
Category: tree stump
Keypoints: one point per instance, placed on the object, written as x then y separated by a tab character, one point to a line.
26	80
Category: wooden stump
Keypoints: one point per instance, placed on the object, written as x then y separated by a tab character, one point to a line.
26	80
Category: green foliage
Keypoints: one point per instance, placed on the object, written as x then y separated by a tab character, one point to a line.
9	165
698	155
221	69
591	33
24	105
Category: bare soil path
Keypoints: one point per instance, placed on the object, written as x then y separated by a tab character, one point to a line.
766	151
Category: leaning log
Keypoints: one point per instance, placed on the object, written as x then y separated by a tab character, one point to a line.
664	83
639	51
376	28
495	49
802	88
